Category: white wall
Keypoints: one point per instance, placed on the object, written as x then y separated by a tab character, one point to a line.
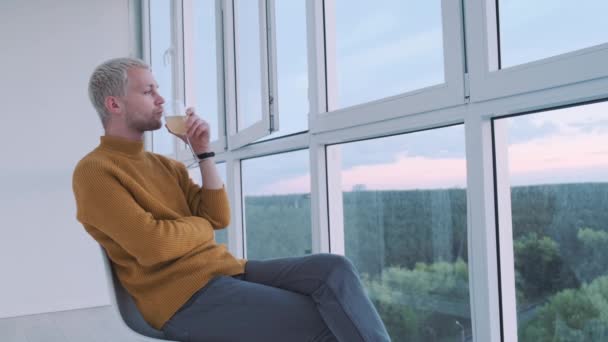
48	50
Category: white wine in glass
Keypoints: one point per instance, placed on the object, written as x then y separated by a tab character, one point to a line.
176	123
175	117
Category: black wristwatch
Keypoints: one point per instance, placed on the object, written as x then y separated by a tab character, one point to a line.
205	155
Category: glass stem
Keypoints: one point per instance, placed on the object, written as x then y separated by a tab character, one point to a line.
194	156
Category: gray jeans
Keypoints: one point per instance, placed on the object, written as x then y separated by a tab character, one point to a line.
312	298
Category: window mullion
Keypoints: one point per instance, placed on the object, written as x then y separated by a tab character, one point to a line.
178	59
177	53
236	230
331	68
229	58
317	104
273	91
505	231
221	143
264	64
317	93
481	221
335	199
146	55
319	199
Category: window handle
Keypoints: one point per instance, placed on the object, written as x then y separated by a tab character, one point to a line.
167	55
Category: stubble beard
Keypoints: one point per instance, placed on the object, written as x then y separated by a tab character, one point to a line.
143	124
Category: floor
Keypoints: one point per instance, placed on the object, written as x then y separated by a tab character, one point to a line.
85	325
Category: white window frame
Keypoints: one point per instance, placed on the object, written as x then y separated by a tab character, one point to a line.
269	121
481	228
449	93
473	100
146	55
488	81
183	83
317	96
504	230
178	54
219	142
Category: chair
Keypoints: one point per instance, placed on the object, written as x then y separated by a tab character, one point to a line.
131	321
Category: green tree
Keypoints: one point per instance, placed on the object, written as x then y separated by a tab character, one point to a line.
576	315
424	303
540	268
593	258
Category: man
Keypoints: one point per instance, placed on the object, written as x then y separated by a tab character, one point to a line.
157	226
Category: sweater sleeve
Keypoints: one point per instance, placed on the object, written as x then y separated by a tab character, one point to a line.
105	204
212	205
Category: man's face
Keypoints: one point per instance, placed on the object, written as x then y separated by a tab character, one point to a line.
143	103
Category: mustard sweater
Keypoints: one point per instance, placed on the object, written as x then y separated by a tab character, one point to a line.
155	224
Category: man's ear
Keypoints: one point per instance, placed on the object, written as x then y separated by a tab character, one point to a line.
113	105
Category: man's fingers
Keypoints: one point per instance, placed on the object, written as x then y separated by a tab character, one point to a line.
190	119
192	130
191	127
200	130
194	122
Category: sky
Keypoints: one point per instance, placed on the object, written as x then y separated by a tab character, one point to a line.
532	30
395	46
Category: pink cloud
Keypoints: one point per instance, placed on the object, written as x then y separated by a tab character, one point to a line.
554	159
559	158
408	173
404	173
295	185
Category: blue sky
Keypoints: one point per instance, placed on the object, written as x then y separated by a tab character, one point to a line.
532	30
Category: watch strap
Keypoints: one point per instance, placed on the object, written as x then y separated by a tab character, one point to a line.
205	155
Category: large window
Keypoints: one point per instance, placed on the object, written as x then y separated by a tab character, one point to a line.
478	226
558	170
405	228
276	191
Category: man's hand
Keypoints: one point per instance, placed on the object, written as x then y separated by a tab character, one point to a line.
197	131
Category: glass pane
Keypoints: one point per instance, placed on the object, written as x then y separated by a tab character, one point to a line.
558	168
221	235
386	48
405	228
292	67
248	68
277	205
207	81
161	63
531	30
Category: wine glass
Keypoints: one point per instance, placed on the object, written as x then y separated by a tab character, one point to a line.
175	118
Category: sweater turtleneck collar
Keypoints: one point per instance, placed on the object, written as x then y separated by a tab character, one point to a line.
128	147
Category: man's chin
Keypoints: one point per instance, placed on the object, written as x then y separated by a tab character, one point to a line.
157	126
153	126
